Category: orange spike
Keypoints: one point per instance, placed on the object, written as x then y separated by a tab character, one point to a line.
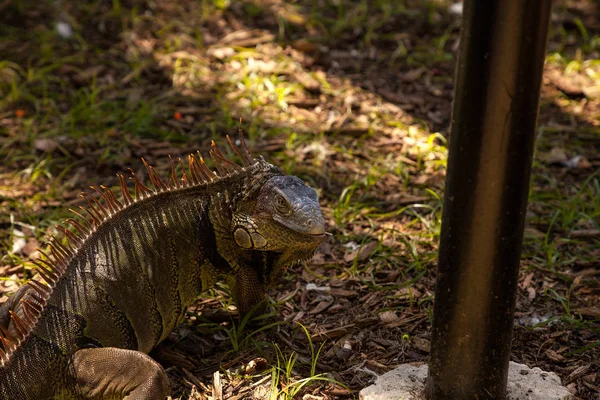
162	184
140	189
110	194
185	180
173	175
47	265
206	172
72	238
58	257
45	255
8	340
95	221
59	250
20	325
49	275
27	316
196	177
147	170
52	263
33	308
154	178
237	151
39	288
69	246
95	205
214	154
125	191
200	172
88	227
39	302
63	249
47	260
244	144
47	278
6	336
150	175
228	165
109	204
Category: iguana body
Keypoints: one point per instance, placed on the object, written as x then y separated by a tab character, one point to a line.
124	282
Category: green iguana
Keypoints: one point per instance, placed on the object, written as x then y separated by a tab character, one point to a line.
121	279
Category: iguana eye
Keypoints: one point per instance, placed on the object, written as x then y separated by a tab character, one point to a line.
282	206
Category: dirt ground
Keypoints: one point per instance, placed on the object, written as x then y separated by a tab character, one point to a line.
352	96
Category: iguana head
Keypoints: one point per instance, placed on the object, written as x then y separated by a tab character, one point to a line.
285	217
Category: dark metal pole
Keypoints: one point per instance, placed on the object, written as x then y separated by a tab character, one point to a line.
496	100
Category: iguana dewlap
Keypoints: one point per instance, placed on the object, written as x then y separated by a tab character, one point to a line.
124	276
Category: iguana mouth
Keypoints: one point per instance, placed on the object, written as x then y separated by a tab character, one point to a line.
313	227
317	234
313	233
317	229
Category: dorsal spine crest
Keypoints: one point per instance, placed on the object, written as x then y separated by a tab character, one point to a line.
52	266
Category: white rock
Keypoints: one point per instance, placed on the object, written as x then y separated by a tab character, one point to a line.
456	8
64	29
407	382
534	384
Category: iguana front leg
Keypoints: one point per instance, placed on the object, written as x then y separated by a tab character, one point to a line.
248	291
113	373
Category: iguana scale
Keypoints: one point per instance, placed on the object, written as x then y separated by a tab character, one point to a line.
120	280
